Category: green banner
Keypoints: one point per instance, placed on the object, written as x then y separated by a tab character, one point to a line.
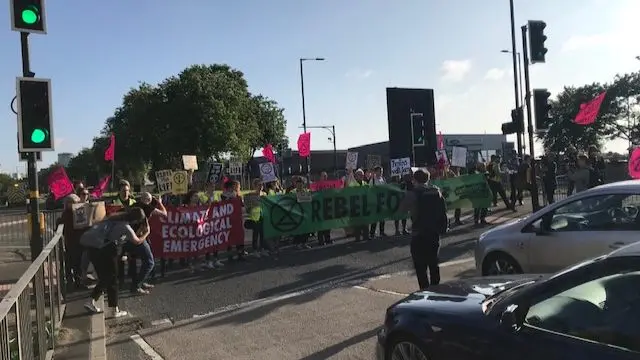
329	209
466	192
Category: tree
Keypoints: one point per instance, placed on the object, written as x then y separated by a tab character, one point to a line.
6	181
563	131
265	125
625	93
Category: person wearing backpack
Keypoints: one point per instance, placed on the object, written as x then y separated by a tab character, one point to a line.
428	210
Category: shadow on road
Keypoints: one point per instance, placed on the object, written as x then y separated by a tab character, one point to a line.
337	348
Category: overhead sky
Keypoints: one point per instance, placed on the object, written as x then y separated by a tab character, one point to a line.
96	50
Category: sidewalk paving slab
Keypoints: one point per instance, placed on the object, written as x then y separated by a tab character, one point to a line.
83	335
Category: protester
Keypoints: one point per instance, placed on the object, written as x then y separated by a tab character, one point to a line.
429	220
495	182
375	180
73	249
254	221
103	241
124	195
324	236
549	170
300	240
598	166
406	184
361	232
231	190
581	176
480	214
513	166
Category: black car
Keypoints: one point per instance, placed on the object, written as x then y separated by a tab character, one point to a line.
589	311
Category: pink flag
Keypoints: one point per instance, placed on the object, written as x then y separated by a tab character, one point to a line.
267	152
101	187
589	110
59	183
634	164
304	145
110	153
327	184
440	141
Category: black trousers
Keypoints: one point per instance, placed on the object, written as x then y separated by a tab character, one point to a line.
497	189
105	261
73	259
324	237
424	253
516	191
361	232
372	229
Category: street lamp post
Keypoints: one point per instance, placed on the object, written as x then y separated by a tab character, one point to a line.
304	114
332	130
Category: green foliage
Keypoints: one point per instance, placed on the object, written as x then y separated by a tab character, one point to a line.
206	110
612	122
6	181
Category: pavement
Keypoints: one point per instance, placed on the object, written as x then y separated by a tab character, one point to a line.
321	303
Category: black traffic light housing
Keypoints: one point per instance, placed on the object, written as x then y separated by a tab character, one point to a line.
516	124
537	49
417	129
541	108
35	125
28	16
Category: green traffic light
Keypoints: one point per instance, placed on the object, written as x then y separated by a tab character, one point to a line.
38	136
30	15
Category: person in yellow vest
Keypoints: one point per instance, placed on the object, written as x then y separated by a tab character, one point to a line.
124	195
361	232
254	218
300	241
324	236
209	194
207	198
495	182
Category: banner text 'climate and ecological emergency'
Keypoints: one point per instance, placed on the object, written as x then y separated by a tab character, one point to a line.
195	230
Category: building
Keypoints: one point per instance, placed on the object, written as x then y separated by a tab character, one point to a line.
64	159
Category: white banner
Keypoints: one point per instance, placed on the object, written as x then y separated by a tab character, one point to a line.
400	166
352	160
459	156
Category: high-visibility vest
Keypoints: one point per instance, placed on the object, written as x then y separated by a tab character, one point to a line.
126	204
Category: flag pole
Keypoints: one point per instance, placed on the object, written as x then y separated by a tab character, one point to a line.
113	170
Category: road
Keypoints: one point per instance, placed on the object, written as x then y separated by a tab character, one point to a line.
312	304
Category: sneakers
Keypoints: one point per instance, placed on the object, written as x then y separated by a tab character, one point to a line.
142	291
91	307
147	286
218	264
117	313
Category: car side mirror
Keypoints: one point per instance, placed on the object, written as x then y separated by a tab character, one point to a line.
510	319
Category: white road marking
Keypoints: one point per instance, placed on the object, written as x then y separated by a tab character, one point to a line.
146	347
164	321
457	262
380	290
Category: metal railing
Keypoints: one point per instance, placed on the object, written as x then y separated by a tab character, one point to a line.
31	313
15	228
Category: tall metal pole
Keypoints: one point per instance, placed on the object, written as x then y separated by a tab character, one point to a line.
535	202
304	119
36	243
335	151
521	96
519	133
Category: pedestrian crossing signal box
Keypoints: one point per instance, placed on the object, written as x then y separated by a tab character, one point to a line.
35	125
417	129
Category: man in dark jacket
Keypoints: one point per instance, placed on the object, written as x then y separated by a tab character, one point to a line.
429	220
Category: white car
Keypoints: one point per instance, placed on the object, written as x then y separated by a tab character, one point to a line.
588	224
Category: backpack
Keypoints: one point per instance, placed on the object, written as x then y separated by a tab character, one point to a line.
430	213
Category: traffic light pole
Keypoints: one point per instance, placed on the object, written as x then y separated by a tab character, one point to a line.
36	243
514	53
535	201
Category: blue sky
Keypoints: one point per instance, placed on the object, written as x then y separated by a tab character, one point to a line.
96	50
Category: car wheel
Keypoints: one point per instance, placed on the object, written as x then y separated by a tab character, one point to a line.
500	264
406	348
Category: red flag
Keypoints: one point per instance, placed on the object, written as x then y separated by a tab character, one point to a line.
267	152
110	153
101	187
59	183
440	141
304	145
589	110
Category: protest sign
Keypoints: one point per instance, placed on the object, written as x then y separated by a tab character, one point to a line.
441	157
179	182
327	184
267	173
459	156
215	173
235	168
196	230
373	161
349	207
190	162
400	167
352	160
87	214
164	181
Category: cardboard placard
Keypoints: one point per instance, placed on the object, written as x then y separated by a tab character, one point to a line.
87	214
190	162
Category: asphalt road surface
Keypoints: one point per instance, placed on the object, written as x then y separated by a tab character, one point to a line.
307	302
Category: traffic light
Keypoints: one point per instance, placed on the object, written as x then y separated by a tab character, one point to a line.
35	130
541	108
536	41
516	124
28	16
417	129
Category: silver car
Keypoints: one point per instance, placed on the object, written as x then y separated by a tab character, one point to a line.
582	226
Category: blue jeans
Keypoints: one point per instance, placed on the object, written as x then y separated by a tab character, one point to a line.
143	251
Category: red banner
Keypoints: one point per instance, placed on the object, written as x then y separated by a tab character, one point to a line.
197	230
327	184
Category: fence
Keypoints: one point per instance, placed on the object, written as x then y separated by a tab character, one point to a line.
15	228
31	313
